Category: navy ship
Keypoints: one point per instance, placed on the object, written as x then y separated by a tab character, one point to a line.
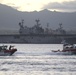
38	35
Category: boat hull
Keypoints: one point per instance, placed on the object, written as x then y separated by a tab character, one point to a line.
65	52
7	52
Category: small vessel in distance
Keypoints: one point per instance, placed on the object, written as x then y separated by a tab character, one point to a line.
7	52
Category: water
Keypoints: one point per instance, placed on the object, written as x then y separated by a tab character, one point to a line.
37	59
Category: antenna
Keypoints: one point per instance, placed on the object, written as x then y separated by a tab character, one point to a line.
60	25
37	21
47	25
22	22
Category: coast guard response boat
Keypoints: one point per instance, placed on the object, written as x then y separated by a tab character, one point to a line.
7	52
67	49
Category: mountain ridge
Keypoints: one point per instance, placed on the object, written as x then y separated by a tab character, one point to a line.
10	17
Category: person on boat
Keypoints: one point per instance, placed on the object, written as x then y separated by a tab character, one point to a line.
0	48
58	50
10	47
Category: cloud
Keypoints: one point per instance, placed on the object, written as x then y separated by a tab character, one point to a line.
31	5
64	6
25	5
1	0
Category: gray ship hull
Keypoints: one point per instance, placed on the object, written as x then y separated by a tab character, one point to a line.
37	38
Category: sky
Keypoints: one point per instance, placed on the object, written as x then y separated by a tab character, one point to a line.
37	5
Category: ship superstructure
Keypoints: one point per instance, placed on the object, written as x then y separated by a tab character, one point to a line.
37	29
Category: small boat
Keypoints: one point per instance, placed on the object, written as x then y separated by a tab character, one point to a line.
7	52
67	49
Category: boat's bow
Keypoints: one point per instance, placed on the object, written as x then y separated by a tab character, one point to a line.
10	52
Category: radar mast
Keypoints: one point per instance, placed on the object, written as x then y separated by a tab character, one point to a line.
37	22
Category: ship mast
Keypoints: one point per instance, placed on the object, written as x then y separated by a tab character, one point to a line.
22	22
60	25
37	22
21	26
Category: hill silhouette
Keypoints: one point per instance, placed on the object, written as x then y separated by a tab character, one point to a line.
10	17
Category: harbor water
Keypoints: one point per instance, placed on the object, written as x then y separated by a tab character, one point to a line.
37	59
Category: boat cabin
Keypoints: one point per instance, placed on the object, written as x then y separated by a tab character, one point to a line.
69	46
4	47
